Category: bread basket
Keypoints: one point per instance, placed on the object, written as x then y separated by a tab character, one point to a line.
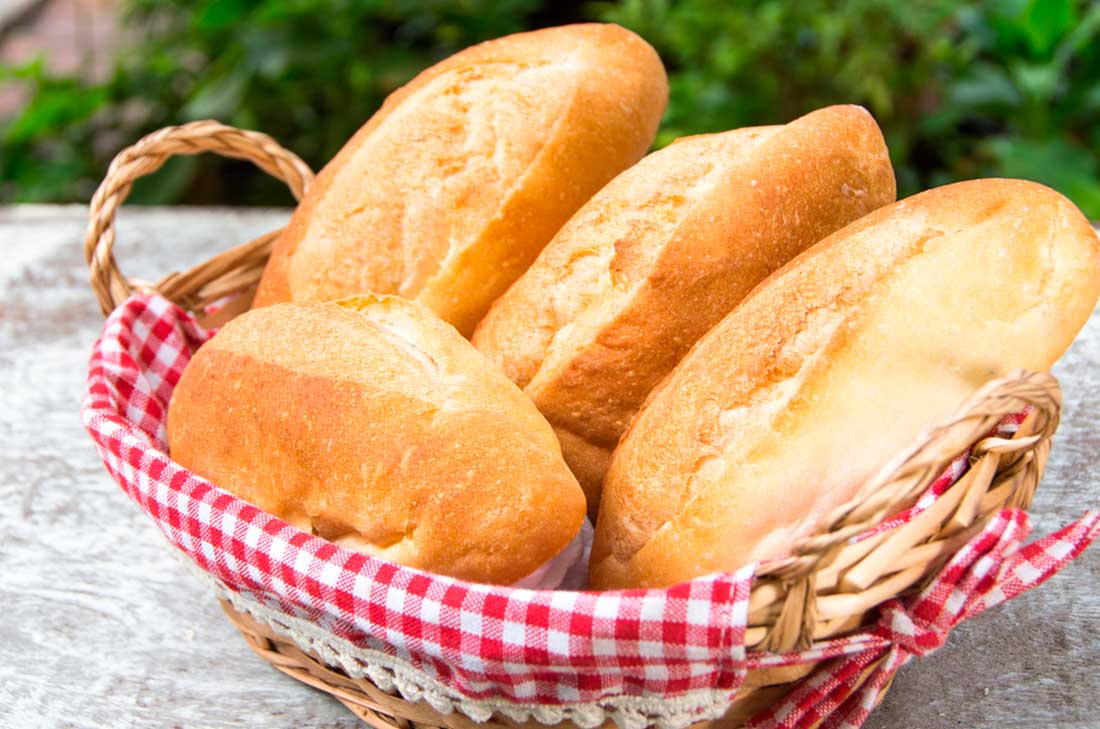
813	639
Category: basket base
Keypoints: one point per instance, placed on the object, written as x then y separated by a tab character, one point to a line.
382	710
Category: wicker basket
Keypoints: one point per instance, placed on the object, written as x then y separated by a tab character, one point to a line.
828	586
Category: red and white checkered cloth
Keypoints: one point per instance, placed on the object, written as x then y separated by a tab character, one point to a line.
553	648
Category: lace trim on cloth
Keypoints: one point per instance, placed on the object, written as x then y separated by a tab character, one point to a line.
397	677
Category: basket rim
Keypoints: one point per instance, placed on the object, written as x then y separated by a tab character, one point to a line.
910	474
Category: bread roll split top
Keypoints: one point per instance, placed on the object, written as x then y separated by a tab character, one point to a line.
453	187
373	424
835	364
661	254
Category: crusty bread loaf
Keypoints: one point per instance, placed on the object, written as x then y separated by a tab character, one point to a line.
450	191
373	424
661	254
832	366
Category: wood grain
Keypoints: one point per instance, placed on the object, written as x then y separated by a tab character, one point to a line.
102	627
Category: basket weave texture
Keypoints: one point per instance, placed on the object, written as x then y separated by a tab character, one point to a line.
815	638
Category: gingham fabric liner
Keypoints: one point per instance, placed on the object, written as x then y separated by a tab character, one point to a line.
665	657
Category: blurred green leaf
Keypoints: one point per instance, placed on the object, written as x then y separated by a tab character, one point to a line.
1038	81
1055	162
984	86
1046	22
167	184
217	99
219	14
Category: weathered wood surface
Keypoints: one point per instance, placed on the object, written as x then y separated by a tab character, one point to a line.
101	627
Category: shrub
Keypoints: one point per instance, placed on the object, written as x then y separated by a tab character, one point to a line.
980	88
961	90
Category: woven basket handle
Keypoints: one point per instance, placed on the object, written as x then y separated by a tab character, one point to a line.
231	272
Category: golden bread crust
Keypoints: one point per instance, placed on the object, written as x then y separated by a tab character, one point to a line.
834	364
449	192
373	424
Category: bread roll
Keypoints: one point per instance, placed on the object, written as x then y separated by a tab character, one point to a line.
835	364
373	424
450	191
661	254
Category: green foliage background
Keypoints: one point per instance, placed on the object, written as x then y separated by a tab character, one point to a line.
961	89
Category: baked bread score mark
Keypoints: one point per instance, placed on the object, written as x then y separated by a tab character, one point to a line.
445	150
604	246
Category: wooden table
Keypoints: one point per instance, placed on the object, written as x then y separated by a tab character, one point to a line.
100	626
